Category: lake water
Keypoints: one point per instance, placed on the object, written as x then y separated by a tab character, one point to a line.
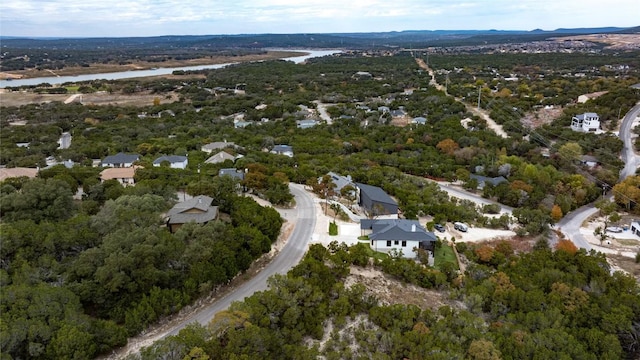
56	80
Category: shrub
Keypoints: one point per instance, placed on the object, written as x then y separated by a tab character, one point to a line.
491	209
566	246
333	228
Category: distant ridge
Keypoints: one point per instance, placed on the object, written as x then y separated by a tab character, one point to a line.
404	38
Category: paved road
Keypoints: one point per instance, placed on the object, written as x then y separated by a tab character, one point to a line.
304	219
628	154
288	257
571	223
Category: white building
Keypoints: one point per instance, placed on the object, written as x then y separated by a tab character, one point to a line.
587	122
387	235
175	161
283	150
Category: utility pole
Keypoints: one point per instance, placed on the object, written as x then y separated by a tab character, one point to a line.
479	88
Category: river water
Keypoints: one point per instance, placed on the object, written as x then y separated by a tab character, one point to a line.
56	80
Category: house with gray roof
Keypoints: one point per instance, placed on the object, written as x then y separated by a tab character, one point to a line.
286	150
386	235
241	124
175	161
376	201
339	180
197	209
217	145
64	142
483	180
120	160
307	123
233	172
420	120
589	161
220	157
398	113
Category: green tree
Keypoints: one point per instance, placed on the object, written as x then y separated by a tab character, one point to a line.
38	200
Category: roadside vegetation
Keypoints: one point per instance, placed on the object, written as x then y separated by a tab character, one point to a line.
567	300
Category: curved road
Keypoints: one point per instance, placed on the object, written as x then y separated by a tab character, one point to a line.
287	258
570	224
292	252
628	154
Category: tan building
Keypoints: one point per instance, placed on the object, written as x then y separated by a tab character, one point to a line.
198	210
125	176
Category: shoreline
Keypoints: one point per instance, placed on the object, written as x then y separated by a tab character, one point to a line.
97	68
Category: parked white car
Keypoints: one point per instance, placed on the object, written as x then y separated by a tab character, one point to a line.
460	226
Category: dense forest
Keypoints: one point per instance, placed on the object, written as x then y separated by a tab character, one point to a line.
78	276
79	283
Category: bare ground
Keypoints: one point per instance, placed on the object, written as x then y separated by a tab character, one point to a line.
613	41
390	291
541	117
98	98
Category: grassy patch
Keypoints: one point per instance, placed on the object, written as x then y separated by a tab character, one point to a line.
378	255
443	255
72	89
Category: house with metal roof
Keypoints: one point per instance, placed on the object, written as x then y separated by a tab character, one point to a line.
197	209
387	235
376	201
120	160
175	161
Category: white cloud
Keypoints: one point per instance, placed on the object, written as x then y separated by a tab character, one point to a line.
154	17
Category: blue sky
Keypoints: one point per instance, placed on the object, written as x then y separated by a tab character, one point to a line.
90	18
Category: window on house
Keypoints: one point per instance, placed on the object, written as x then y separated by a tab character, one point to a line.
404	243
396	242
388	243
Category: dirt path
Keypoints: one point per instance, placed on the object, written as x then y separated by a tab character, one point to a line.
479	112
72	98
491	124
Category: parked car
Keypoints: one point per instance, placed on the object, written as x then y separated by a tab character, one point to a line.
614	229
439	227
460	226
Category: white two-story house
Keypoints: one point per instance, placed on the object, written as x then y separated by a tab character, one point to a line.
587	122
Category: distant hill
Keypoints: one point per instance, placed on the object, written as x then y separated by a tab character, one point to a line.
328	40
